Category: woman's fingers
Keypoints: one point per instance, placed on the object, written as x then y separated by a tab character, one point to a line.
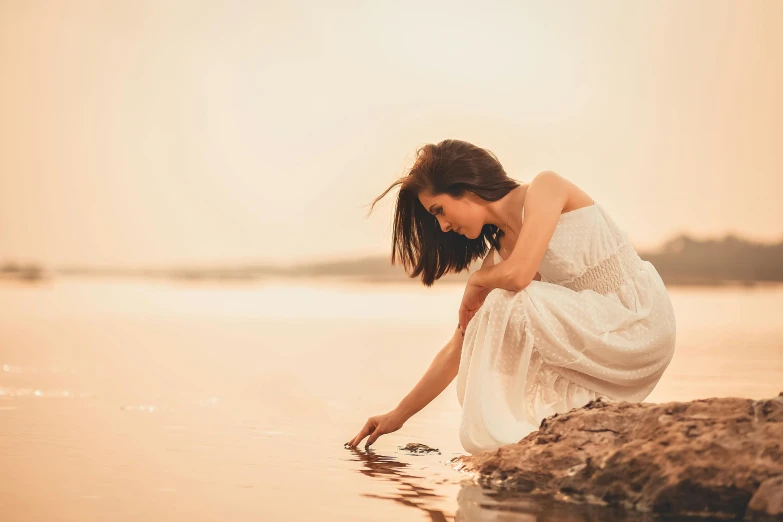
358	438
374	436
463	318
377	426
366	430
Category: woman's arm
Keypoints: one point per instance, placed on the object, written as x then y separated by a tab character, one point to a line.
544	202
441	372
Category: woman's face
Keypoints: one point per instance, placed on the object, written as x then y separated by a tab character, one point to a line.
460	215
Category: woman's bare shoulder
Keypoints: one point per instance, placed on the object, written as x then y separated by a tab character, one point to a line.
577	197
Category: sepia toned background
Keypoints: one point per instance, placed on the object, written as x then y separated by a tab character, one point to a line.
196	311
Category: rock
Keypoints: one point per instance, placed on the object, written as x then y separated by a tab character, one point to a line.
706	457
767	502
415	447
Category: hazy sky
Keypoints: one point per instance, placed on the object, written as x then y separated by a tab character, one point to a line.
167	132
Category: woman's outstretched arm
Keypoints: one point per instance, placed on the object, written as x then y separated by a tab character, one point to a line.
443	369
441	372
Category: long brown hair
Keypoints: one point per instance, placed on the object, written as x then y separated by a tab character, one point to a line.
449	167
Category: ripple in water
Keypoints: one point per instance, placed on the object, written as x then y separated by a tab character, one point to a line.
411	489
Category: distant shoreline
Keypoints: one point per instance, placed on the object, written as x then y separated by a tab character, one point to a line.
330	278
682	261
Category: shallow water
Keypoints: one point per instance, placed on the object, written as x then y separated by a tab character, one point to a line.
139	399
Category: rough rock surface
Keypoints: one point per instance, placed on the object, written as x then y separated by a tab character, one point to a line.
767	503
720	457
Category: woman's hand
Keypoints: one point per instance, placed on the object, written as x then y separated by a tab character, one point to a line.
472	300
377	426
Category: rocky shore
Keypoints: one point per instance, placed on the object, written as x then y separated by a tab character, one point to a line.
716	457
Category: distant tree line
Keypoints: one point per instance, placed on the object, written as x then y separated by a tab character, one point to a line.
682	260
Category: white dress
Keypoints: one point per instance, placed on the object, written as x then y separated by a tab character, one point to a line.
599	323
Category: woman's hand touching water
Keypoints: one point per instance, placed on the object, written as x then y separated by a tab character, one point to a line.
472	300
377	426
442	370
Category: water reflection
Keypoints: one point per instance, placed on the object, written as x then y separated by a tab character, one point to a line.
479	504
411	493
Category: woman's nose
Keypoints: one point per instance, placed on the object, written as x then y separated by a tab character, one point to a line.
443	227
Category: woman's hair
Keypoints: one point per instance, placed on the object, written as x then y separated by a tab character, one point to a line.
449	167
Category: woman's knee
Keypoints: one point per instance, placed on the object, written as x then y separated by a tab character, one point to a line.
499	296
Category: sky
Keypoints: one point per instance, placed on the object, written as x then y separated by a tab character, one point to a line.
147	133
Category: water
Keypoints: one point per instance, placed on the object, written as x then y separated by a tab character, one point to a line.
133	399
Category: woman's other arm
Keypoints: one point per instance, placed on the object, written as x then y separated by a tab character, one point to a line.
545	199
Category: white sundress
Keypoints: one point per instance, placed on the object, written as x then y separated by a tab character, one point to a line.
599	323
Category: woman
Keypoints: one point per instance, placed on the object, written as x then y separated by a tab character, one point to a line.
562	310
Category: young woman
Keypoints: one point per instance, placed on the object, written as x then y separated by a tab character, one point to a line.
562	310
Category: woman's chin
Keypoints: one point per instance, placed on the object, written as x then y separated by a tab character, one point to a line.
465	233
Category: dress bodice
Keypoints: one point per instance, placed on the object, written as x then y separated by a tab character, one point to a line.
587	244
